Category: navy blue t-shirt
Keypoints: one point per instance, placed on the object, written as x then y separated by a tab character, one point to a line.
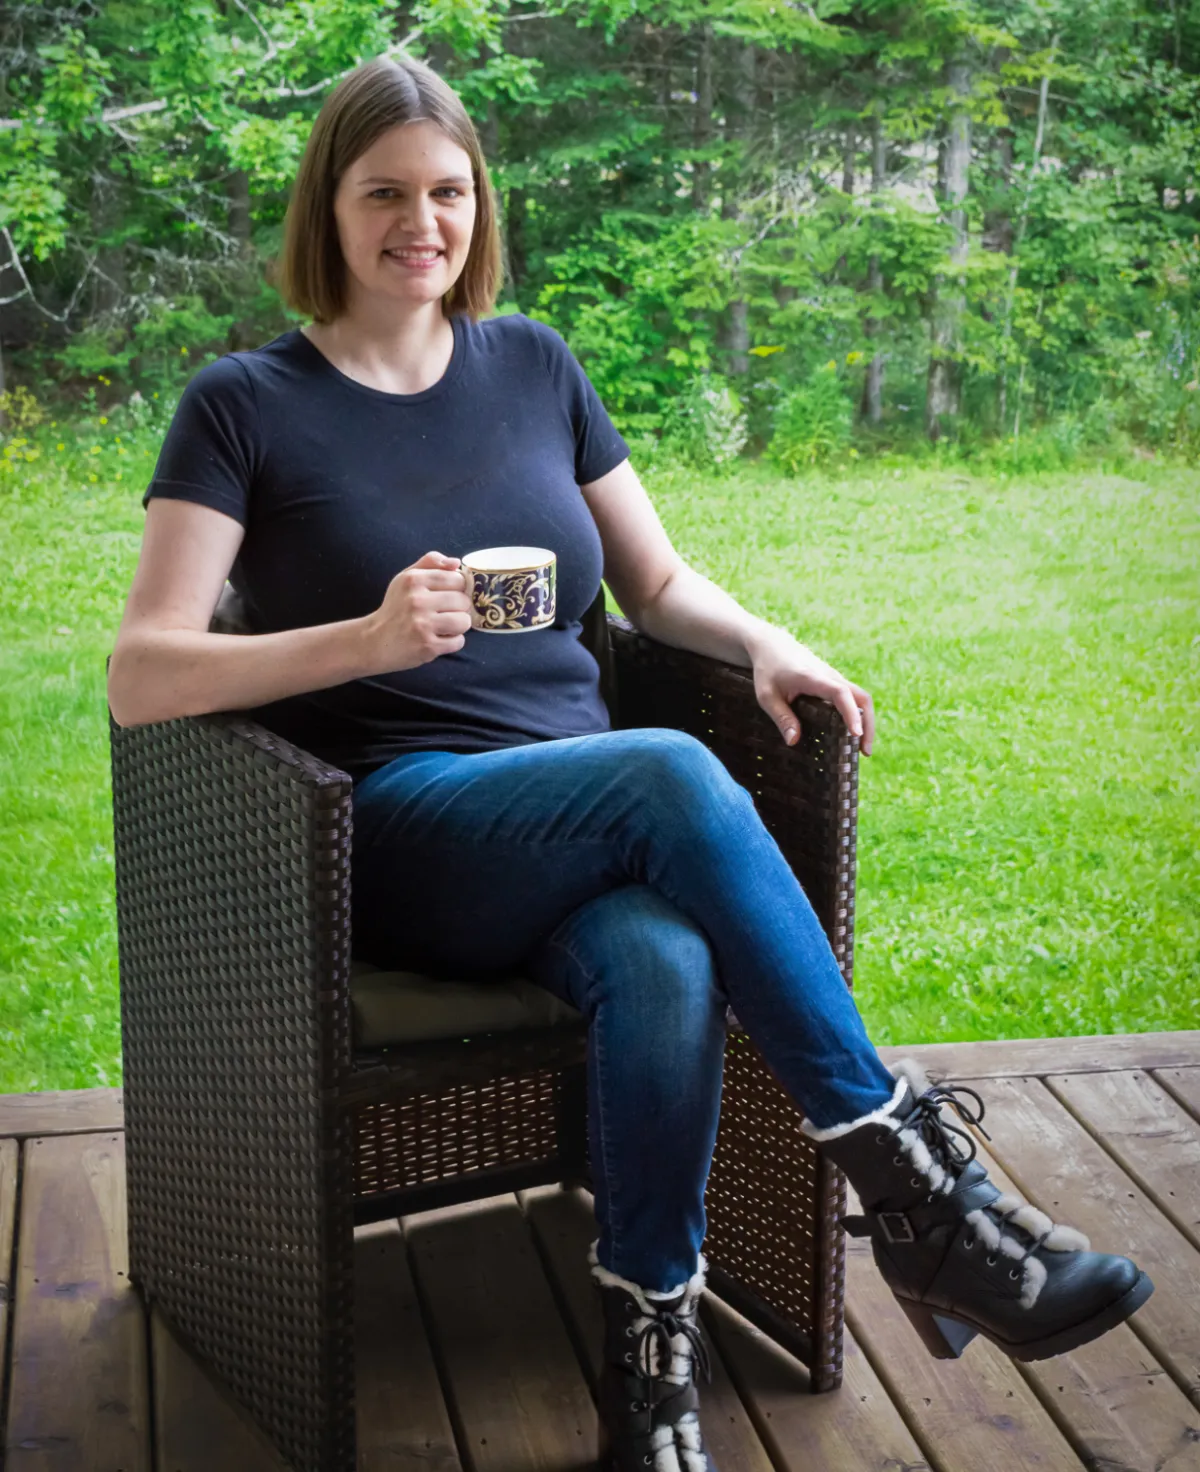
341	486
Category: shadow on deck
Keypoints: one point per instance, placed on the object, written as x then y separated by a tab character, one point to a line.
478	1330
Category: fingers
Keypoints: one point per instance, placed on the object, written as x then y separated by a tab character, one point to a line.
865	707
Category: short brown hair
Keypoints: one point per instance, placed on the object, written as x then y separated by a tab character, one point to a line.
310	272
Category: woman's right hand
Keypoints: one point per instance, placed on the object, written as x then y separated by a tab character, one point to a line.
425	612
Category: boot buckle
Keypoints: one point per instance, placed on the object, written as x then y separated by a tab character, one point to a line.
904	1232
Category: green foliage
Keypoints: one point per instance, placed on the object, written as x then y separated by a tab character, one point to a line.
812	422
155	355
657	240
627	296
705	425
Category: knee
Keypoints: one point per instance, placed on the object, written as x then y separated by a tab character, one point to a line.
632	943
677	772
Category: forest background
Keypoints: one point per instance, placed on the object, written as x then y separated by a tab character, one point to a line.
895	304
771	227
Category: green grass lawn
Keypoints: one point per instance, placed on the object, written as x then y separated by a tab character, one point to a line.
1027	823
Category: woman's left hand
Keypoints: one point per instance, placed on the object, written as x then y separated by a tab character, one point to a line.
785	668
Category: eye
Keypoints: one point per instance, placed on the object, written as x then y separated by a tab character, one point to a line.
387	189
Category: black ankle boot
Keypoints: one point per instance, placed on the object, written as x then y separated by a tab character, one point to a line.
648	1402
962	1257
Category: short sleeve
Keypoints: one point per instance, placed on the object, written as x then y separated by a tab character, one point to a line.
599	446
211	450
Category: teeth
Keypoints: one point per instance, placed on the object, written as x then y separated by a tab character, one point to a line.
413	255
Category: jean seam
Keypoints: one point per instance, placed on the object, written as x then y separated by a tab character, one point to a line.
609	1179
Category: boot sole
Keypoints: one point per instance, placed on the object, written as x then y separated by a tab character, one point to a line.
945	1335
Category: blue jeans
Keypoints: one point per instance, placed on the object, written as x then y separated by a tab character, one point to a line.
630	875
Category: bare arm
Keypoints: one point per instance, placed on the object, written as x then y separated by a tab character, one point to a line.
161	674
166	664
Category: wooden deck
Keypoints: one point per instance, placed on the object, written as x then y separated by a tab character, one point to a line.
478	1329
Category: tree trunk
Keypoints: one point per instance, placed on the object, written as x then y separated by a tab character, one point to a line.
702	130
739	113
515	236
945	376
109	284
998	223
1019	235
872	402
241	334
669	182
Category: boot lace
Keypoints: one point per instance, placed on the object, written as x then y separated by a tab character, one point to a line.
927	1121
661	1329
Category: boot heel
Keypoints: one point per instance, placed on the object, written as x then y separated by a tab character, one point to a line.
943	1337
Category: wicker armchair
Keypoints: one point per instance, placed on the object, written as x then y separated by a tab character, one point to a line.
264	1117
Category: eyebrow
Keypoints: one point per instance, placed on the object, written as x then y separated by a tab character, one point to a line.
382	179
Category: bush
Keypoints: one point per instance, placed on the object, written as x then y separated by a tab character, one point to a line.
706	424
812	422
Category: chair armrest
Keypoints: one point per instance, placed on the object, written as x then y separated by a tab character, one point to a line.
806	795
232	852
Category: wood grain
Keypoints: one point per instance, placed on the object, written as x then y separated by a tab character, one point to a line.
403	1424
518	1397
199	1427
78	1394
61	1112
1039	1056
9	1153
1111	1398
1184	1085
1057	1165
1156	1140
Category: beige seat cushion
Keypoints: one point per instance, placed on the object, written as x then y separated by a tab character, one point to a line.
407	1007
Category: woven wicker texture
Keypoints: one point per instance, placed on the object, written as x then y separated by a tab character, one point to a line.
429	1137
254	1131
772	1203
232	877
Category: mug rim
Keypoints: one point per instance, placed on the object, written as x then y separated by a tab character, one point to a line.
547	561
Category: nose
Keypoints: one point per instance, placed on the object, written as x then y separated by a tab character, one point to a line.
419	214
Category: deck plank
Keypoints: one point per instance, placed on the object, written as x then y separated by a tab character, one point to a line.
78	1393
61	1112
1183	1084
1035	1057
402	1422
1099	1132
516	1391
9	1155
1057	1165
564	1224
199	1426
1155	1140
974	1412
1113	1401
855	1428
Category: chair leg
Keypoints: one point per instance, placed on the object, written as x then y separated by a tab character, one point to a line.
572	1126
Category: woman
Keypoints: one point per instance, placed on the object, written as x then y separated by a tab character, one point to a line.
499	821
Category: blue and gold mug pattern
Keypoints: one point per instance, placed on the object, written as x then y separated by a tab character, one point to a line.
513	601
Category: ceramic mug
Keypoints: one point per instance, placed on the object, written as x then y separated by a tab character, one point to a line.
512	589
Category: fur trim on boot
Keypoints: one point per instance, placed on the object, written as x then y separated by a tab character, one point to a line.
946	1239
645	1426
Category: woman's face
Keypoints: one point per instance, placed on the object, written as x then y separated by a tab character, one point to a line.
411	188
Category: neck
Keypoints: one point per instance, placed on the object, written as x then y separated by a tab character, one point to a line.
385	344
